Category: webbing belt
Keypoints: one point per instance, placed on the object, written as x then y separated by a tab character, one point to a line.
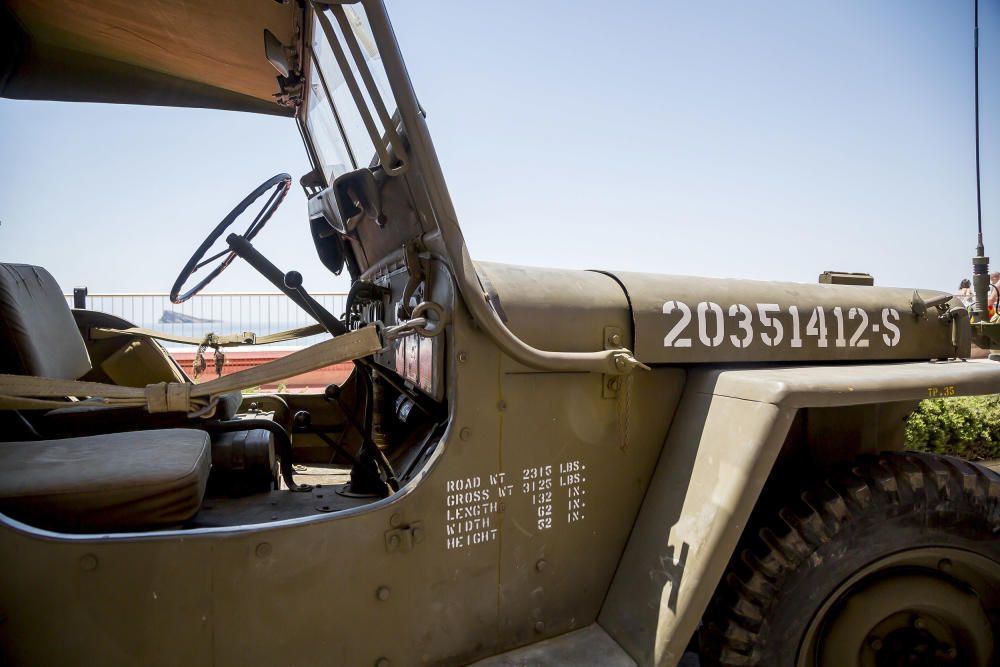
213	340
20	392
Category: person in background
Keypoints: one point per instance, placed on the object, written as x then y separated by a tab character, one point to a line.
994	287
964	288
965	292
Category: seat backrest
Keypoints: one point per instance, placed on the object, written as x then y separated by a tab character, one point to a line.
38	335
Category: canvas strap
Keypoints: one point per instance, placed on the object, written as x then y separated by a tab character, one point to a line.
213	340
20	392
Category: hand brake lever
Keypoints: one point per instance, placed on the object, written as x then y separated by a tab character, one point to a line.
277	277
293	281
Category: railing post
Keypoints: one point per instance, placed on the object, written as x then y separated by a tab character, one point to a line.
80	297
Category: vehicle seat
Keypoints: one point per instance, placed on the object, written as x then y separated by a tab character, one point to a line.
141	480
39	337
87	468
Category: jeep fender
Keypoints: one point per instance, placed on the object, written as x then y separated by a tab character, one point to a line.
729	429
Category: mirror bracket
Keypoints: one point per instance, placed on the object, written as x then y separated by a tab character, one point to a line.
358	197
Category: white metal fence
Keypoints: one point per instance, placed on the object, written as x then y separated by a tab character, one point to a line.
219	312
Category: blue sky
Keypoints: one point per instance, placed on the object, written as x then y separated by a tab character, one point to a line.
761	140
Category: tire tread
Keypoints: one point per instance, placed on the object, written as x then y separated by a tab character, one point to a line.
769	555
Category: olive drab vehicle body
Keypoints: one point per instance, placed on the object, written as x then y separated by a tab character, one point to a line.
537	466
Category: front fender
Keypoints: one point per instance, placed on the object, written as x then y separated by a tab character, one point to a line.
727	433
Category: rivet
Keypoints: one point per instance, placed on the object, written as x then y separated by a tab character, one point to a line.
615	339
875	644
465	433
614	384
263	550
395	520
382	662
394	540
88	562
919	623
944	565
382	593
540	565
620	363
501	405
462	357
539	626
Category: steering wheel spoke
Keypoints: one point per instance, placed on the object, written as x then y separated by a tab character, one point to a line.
202	264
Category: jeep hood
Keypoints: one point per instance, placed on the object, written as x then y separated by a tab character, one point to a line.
686	319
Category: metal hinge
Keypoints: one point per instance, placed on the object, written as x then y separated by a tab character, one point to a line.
403	539
614	339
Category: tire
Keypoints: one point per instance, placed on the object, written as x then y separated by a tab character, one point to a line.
895	560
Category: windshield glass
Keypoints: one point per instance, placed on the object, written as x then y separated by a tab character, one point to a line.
347	134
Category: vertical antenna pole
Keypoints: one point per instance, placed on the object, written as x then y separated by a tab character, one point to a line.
980	263
979	196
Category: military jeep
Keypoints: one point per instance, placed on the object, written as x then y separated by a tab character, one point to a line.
526	466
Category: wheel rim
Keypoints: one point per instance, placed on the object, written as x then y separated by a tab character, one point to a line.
927	607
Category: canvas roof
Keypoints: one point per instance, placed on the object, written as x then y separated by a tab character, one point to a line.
199	53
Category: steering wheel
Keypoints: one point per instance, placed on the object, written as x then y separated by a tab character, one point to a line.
280	183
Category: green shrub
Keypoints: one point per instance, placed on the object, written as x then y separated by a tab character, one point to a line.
966	426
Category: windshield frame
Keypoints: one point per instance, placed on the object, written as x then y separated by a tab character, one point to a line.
383	140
